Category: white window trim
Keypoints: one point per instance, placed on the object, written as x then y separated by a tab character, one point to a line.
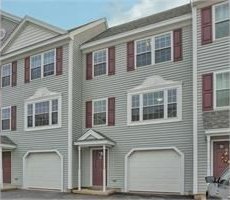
42	64
214	91
7	107
106	124
152	38
10	75
58	97
107	62
155	121
214	21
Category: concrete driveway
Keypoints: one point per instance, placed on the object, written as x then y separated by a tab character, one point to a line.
24	194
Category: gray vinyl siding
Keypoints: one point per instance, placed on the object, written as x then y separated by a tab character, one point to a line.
178	134
77	89
211	57
37	140
29	35
9	26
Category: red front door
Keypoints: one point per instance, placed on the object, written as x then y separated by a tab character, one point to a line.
6	166
220	157
98	167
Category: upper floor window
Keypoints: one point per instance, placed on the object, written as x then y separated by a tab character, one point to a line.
222	91
143	52
42	65
43	114
100	112
6	118
100	62
6	74
162	48
159	103
221	20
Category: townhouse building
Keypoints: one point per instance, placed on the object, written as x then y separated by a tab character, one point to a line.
212	77
38	64
138	107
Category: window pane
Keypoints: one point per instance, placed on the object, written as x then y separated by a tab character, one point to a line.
5	81
172	96
55	105
144	59
135	101
100	106
99	69
35	73
55	118
42	107
99	118
30	121
6	113
163	41
153	112
30	109
162	55
35	66
49	63
135	114
6	74
143	46
5	124
223	81
99	57
42	119
172	110
222	12
223	98
222	29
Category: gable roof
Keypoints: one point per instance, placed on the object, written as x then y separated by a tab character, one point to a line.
145	21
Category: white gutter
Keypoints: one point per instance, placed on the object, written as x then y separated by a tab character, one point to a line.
195	140
138	30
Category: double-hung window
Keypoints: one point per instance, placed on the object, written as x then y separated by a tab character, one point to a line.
43	114
155	106
163	48
100	62
100	112
6	75
221	20
43	64
153	50
6	118
222	87
143	52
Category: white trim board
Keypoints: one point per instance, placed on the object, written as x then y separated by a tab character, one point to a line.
149	149
44	151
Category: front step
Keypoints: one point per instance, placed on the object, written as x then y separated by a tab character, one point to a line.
89	191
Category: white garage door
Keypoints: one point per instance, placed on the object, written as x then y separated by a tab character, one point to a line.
155	170
43	170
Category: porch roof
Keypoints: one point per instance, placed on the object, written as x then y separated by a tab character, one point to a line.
6	143
94	138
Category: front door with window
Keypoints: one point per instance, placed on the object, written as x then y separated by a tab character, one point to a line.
6	166
97	156
220	157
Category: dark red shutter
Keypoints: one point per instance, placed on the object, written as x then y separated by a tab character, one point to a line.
13	118
111	111
177	45
88	115
111	61
89	66
206	25
59	61
130	56
14	73
27	70
207	90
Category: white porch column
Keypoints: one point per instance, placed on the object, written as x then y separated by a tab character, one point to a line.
1	170
79	168
208	157
104	168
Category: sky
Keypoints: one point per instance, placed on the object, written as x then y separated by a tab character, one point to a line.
71	13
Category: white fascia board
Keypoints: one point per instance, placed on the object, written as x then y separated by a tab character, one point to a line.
138	30
30	48
10	16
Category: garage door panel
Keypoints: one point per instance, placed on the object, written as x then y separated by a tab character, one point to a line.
43	170
158	171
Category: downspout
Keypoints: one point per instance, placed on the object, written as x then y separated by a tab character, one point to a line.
70	113
195	140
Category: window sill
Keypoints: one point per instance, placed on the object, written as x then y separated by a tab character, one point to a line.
98	126
160	121
221	108
153	64
43	128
